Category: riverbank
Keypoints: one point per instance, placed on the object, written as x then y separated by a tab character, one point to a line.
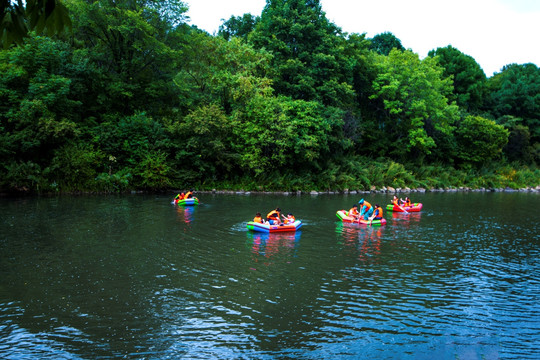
374	177
373	190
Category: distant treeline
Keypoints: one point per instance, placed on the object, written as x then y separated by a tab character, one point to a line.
131	97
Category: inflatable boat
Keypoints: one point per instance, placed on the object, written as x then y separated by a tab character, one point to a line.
414	208
344	216
254	226
190	201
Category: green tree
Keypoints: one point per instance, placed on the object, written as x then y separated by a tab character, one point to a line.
216	78
480	140
204	143
277	134
153	171
308	51
75	166
519	146
129	139
17	18
515	91
383	43
214	70
39	113
468	77
238	26
360	117
130	42
416	110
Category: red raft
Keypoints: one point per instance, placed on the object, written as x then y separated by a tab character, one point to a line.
416	207
274	228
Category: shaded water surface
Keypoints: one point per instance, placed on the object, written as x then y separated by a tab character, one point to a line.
137	277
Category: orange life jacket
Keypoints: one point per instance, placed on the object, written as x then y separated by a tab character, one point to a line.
378	213
395	202
367	205
188	195
353	211
258	219
273	214
407	203
290	219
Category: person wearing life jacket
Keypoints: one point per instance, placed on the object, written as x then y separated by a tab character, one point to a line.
289	219
407	202
178	197
258	218
189	194
367	209
377	213
353	212
273	216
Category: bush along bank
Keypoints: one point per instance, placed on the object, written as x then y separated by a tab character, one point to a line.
374	190
388	177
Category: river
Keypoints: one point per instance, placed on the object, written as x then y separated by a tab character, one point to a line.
134	276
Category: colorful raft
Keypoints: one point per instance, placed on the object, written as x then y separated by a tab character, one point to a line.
190	201
274	228
344	216
414	208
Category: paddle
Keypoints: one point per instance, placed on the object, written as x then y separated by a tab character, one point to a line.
402	209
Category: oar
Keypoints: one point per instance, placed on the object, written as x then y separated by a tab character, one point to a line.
402	209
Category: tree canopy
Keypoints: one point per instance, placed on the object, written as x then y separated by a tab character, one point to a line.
384	43
134	98
309	62
18	18
468	77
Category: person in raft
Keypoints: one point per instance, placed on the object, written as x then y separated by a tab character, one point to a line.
397	201
353	212
189	194
258	218
367	209
407	201
273	216
289	219
178	197
377	213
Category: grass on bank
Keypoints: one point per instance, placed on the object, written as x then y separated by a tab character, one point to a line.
363	175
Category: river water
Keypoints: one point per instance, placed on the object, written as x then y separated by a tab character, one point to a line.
134	276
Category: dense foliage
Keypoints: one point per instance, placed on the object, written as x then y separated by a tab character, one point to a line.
134	98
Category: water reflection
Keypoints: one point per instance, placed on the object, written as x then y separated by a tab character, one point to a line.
362	242
105	277
408	217
268	247
185	213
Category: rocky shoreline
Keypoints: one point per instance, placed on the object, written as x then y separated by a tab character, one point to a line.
373	190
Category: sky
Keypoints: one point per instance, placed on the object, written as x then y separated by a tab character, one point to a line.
494	32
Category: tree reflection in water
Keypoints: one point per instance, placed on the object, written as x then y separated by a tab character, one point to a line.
361	241
273	247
